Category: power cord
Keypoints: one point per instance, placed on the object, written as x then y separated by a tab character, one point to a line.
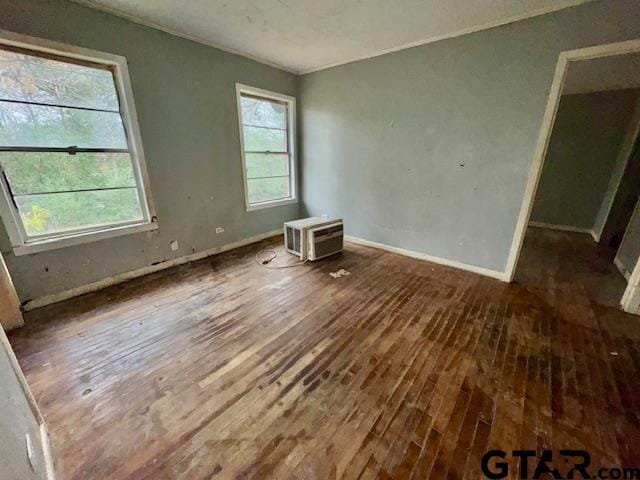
264	262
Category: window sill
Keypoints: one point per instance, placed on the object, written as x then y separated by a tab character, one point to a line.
80	238
275	203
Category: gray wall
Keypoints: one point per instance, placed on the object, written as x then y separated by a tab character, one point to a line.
621	174
630	247
185	98
429	148
584	146
624	201
16	420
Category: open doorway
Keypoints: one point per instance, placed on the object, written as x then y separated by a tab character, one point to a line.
581	228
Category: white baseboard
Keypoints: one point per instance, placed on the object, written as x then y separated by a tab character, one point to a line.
46	452
623	270
123	277
566	228
430	258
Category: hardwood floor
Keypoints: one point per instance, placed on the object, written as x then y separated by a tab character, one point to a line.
402	369
572	262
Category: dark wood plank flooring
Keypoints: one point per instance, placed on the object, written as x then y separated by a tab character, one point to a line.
572	262
402	369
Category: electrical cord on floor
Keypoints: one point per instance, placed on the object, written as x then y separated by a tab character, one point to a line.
266	261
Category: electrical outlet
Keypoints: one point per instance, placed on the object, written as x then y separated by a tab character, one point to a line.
174	245
324	216
219	229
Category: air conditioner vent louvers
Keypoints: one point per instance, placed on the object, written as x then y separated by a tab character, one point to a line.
313	238
325	241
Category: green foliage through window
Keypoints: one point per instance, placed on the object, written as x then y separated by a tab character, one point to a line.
48	104
266	145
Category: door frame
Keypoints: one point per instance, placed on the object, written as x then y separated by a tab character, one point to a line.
9	299
33	406
631	299
16	320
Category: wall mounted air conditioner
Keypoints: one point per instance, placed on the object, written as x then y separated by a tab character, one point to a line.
324	241
296	234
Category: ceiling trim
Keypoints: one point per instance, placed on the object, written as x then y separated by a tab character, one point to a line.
194	38
458	33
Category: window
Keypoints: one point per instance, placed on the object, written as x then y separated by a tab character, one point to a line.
267	136
70	155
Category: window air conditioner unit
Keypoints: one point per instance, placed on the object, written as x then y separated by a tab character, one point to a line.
324	241
296	237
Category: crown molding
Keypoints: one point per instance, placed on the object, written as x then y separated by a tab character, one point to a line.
457	33
194	38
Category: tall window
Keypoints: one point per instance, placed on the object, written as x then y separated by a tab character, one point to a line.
267	133
70	162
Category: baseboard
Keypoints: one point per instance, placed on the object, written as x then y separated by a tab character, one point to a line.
566	228
46	452
123	277
430	258
621	268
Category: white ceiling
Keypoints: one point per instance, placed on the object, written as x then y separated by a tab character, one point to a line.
308	35
608	73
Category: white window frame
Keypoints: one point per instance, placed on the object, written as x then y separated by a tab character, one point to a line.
291	139
24	244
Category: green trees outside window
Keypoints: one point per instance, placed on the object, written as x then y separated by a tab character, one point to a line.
266	149
63	148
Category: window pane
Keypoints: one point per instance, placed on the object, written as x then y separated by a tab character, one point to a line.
35	126
57	212
265	189
263	113
41	172
266	164
36	79
264	139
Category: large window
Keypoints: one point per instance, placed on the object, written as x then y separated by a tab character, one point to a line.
267	133
70	154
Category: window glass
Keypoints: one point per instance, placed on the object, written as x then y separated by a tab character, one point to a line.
26	125
259	139
64	152
264	113
266	165
29	78
44	172
58	212
265	189
267	155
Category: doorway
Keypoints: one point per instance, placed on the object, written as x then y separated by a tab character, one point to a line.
577	226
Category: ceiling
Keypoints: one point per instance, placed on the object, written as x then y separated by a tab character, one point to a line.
307	35
608	73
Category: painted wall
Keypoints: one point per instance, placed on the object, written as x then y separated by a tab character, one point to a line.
620	176
429	148
624	201
185	98
17	419
629	250
583	149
